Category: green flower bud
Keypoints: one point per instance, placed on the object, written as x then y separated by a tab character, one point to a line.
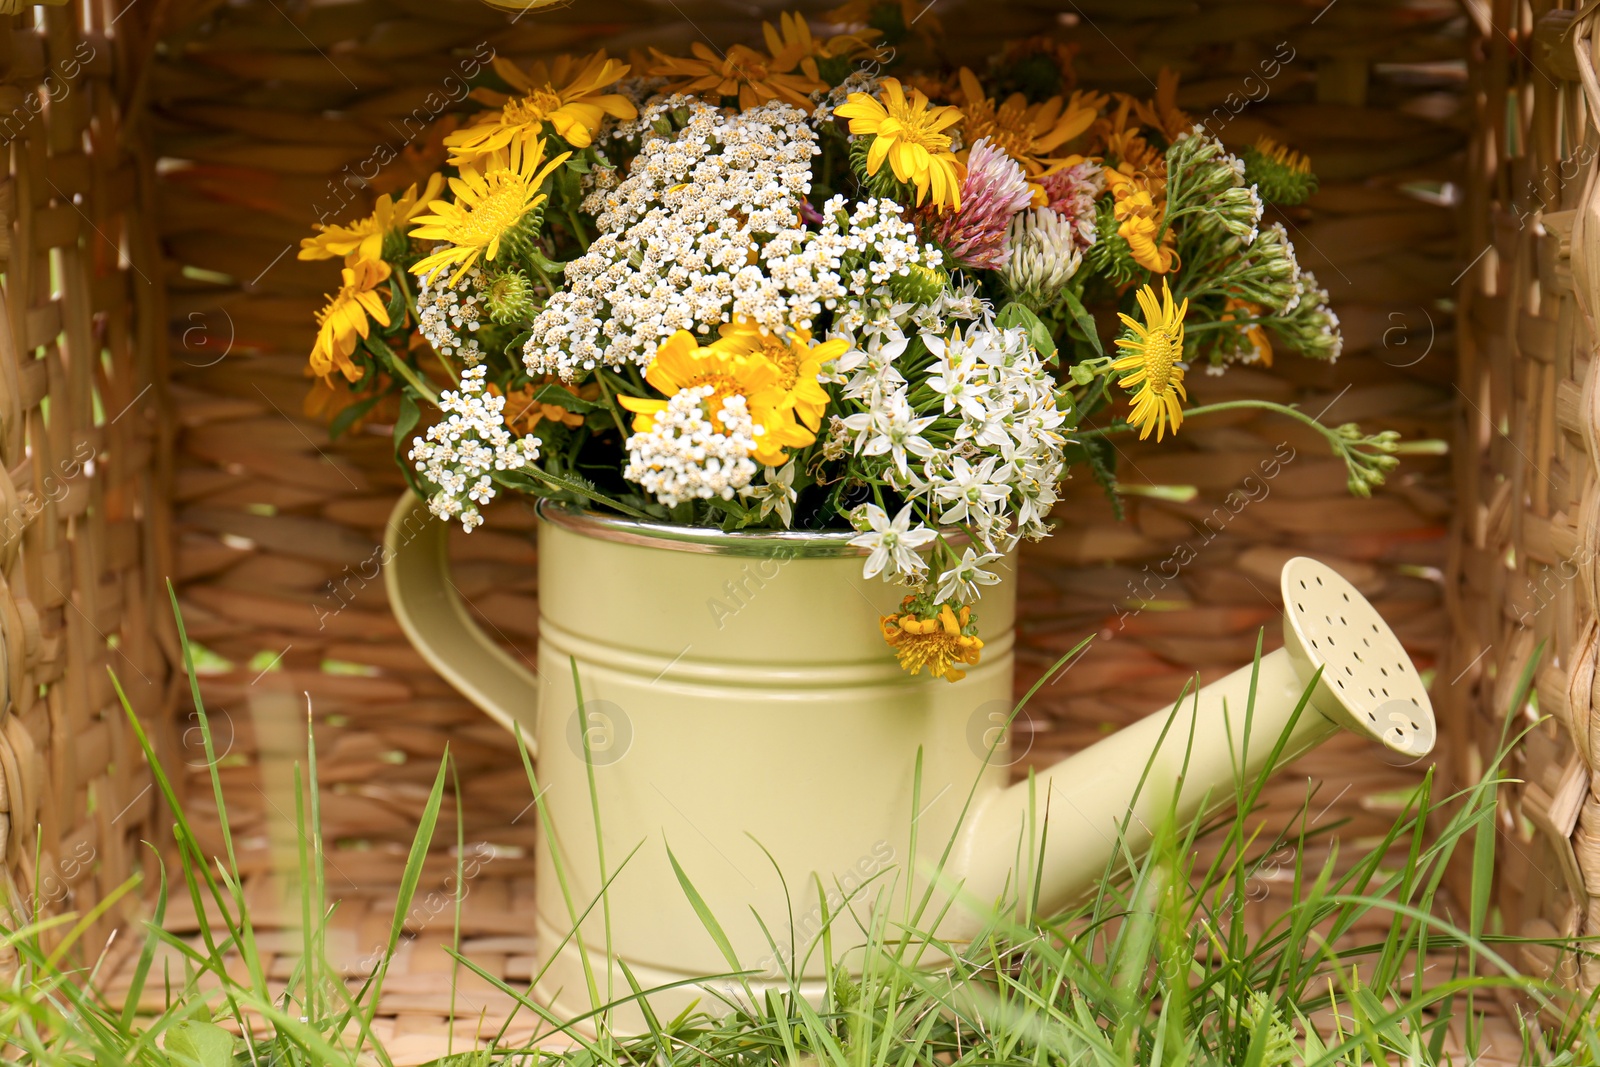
1282	176
919	285
396	246
883	185
1110	254
511	298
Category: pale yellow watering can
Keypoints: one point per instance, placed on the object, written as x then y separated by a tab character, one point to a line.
740	703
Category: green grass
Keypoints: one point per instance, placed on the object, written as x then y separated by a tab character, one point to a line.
1157	967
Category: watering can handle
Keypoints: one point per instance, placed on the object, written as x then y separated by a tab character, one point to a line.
433	616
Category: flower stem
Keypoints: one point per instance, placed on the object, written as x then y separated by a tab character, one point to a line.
1212	409
577	229
400	368
611	404
416	318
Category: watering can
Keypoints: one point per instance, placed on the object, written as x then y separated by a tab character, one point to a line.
743	725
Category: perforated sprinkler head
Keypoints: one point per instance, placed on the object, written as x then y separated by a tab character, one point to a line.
1368	683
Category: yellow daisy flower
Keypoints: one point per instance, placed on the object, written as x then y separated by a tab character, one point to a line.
566	95
799	362
1153	360
752	76
944	644
345	319
1031	134
1119	140
908	133
680	363
492	197
364	239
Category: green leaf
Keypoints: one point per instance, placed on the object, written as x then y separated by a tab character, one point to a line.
196	1043
397	303
406	421
1085	321
554	394
1014	314
707	919
346	418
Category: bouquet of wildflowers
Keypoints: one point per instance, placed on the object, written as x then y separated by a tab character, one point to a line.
793	288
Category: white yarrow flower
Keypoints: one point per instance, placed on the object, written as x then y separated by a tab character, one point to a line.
459	452
686	455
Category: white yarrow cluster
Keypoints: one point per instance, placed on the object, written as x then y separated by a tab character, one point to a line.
848	265
707	229
686	456
677	239
459	452
448	315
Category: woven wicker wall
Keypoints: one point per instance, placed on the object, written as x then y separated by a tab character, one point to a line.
263	111
84	534
1524	560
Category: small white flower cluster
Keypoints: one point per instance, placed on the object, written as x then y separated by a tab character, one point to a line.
460	451
1269	273
1044	254
600	178
1239	210
678	246
685	456
1001	464
1215	178
848	265
1312	326
448	315
652	112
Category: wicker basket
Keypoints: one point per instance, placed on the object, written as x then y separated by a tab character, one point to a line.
256	117
1523	578
86	447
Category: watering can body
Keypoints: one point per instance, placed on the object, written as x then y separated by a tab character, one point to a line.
717	716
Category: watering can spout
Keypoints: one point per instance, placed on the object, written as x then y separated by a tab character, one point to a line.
1058	830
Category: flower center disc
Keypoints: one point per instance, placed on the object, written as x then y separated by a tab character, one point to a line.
533	108
498	211
1161	351
783	357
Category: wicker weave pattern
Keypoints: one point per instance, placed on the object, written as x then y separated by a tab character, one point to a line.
84	540
1524	572
279	110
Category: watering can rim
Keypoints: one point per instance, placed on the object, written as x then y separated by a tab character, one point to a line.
708	540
